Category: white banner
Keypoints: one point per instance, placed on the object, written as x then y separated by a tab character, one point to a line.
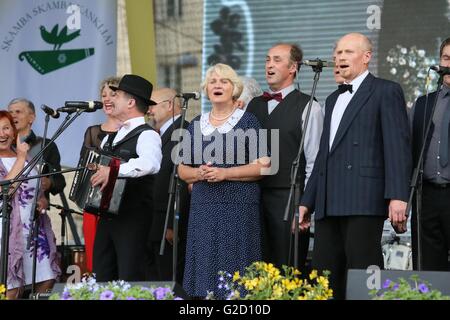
57	51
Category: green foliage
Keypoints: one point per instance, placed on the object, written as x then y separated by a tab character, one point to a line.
89	289
415	289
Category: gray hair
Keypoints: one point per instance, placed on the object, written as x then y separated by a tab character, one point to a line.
29	104
251	90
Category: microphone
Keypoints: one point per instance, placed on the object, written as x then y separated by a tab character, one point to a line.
317	62
441	70
189	95
74	106
52	113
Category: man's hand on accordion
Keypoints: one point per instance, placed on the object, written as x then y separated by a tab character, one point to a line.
101	177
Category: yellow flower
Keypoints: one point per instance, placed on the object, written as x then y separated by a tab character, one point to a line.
323	281
277	291
265	281
2	288
251	284
313	274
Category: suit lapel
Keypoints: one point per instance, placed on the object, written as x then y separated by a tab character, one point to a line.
167	135
355	105
329	107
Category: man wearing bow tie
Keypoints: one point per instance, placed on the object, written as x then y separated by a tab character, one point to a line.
120	241
361	174
283	108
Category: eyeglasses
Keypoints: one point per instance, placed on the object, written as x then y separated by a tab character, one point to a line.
161	102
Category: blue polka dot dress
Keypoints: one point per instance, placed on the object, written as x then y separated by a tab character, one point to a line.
224	219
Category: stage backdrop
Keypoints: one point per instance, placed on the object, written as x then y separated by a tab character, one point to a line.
406	35
54	51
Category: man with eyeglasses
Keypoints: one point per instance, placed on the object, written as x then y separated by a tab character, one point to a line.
166	118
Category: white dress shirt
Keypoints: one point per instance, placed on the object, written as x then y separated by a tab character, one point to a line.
167	124
341	104
313	132
148	149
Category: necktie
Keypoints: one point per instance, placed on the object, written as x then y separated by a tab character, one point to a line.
444	147
345	87
276	96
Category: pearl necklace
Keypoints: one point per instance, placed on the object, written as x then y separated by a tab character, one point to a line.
221	119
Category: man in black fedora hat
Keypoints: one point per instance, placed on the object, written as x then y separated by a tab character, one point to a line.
119	247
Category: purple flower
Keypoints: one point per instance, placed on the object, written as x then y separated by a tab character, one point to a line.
107	295
177	298
395	287
160	293
386	283
423	288
65	295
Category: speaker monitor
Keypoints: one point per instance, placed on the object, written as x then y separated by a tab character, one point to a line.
357	286
175	287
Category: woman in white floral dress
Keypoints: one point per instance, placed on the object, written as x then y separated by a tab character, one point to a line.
20	259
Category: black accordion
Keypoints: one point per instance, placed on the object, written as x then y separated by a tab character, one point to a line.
90	198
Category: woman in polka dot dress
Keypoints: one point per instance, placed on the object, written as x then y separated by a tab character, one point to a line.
223	164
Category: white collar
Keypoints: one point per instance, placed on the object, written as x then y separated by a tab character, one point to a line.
357	81
132	123
207	128
285	91
167	124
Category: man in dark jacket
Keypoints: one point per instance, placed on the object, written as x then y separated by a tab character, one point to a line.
167	118
361	174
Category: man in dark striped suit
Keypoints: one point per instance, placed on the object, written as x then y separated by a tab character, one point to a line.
361	174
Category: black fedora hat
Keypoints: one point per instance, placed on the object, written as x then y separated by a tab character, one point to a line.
137	86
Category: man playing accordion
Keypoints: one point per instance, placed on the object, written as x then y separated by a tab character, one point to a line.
119	247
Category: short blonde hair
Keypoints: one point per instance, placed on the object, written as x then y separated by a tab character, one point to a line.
227	72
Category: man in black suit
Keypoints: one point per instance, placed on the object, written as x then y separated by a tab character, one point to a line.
283	110
435	214
120	241
361	174
166	119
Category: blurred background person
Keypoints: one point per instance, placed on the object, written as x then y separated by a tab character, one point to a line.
251	89
92	139
166	115
224	218
20	259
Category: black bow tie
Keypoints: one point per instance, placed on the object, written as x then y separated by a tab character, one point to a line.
345	87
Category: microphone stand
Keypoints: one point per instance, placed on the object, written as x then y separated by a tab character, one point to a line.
6	211
64	212
34	216
8	195
417	178
174	200
295	192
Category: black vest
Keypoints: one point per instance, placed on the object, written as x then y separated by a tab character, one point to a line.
418	127
287	118
137	196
